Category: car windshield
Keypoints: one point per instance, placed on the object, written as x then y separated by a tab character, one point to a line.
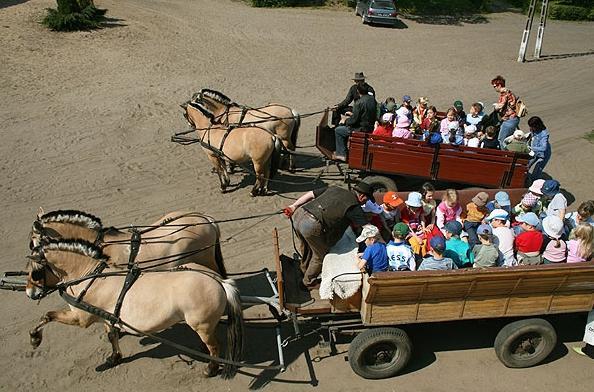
387	5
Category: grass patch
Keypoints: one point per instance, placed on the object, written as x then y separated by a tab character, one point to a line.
589	136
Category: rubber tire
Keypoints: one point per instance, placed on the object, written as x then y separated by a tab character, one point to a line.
509	334
370	339
380	183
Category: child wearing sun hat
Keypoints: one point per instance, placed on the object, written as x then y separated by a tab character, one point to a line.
554	249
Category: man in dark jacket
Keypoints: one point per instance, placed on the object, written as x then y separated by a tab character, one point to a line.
321	221
343	107
362	119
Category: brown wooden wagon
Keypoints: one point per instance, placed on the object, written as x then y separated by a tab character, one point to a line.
378	159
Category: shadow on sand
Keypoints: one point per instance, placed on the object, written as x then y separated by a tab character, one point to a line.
560	56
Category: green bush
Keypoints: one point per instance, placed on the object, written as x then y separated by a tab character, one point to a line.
591	14
271	3
72	15
442	6
568	12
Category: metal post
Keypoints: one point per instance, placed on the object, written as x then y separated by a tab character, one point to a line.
541	28
526	33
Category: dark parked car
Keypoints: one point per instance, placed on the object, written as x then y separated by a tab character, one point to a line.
377	11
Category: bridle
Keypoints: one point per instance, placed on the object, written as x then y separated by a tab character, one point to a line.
40	274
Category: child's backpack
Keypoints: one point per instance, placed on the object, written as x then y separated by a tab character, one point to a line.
521	109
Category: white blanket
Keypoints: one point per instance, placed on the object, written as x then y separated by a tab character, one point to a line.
341	259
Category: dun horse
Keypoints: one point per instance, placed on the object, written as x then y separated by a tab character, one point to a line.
178	236
156	301
277	118
237	145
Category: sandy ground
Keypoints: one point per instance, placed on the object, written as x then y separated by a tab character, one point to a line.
86	119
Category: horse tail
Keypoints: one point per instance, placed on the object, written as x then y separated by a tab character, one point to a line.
219	256
275	158
234	328
296	125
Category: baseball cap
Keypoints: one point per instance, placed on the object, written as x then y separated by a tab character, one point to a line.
415	199
458	104
536	187
388	117
406	98
497	213
453	227
550	187
400	229
369	231
438	243
484	229
481	199
371	206
529	218
502	198
392	199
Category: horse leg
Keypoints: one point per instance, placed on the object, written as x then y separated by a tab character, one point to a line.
259	185
289	148
67	317
113	334
216	163
208	335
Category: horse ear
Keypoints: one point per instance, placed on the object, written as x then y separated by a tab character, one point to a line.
40	213
184	105
37	226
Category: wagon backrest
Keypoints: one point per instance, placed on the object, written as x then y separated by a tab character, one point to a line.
422	296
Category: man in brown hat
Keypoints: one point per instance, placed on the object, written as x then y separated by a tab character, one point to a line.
321	221
344	106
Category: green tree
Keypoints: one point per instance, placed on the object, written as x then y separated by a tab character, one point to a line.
71	15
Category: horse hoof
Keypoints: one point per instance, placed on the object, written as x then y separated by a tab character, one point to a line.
210	371
35	338
113	360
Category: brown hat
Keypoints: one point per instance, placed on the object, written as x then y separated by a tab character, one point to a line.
364	188
481	199
359	76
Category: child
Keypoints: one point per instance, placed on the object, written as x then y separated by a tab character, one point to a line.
470	138
460	114
504	235
447	124
529	242
449	209
490	140
457	249
400	254
553	199
420	112
530	203
429	205
413	216
405	109
437	261
374	258
402	127
385	126
554	249
391	208
581	247
430	122
517	143
486	254
389	106
476	114
475	213
583	214
501	202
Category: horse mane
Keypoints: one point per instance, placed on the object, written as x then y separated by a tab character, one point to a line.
217	96
199	106
75	217
81	247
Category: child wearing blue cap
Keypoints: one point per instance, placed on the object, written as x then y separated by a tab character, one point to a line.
553	199
437	261
486	253
528	244
457	249
501	201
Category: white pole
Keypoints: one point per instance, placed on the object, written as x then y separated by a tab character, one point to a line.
541	28
526	33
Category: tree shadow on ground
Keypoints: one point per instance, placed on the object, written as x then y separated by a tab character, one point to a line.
109	23
451	20
10	3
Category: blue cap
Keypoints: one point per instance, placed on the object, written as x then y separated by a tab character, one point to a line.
550	187
484	229
438	243
453	227
529	218
502	198
406	98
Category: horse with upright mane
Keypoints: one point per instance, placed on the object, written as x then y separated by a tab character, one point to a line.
279	119
235	144
181	237
155	301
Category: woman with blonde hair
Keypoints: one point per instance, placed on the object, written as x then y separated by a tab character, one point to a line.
581	246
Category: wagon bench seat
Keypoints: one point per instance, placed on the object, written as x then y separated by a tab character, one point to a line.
426	296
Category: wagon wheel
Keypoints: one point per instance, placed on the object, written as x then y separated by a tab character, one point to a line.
525	343
380	353
380	183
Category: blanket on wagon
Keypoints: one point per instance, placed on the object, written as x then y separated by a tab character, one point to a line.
340	274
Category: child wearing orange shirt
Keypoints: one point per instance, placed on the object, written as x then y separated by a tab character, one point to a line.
476	211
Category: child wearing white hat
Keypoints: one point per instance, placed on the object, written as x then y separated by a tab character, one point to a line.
554	249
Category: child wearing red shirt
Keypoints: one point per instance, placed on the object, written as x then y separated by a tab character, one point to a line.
385	126
529	243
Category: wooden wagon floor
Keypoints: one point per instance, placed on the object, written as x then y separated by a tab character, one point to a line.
297	300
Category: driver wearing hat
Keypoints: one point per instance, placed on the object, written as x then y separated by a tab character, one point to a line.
320	218
352	95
